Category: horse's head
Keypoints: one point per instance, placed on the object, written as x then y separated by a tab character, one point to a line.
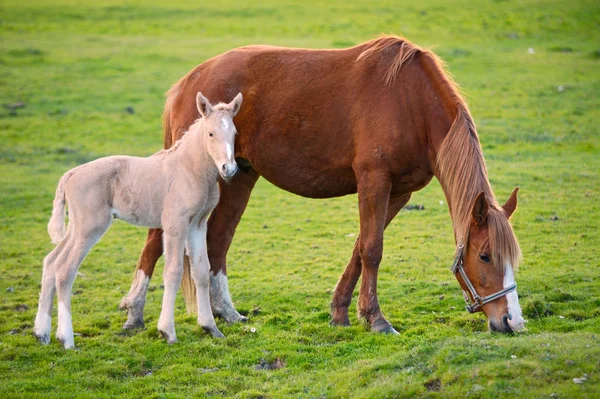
219	132
485	265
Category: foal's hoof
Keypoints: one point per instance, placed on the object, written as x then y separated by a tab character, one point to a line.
66	343
43	338
383	326
214	332
171	339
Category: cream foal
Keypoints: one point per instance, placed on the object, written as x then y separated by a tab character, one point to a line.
174	189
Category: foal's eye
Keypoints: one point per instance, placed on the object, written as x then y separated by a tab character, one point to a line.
485	258
210	134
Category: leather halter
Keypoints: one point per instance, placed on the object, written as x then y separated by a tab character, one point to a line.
478	301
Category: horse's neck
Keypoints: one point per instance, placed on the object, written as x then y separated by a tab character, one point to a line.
457	160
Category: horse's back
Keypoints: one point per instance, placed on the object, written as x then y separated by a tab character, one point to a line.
308	115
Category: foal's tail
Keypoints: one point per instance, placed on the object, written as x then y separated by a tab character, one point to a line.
56	225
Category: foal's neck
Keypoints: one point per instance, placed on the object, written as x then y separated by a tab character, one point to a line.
190	152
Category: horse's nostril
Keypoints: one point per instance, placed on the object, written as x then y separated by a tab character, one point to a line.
505	324
224	168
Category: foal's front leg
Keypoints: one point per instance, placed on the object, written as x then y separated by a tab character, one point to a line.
200	266
174	242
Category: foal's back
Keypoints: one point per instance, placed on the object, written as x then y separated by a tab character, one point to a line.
129	188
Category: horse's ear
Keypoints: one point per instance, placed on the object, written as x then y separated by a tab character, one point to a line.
235	104
480	209
203	105
511	204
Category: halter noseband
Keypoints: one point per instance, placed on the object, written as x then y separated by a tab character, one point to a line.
478	301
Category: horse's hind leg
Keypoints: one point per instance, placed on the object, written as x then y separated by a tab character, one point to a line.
345	287
88	234
43	318
136	298
198	256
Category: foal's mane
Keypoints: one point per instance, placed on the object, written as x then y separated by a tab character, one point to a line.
460	164
193	127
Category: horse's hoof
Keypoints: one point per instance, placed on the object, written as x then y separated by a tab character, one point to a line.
389	330
383	326
43	338
231	317
134	325
340	321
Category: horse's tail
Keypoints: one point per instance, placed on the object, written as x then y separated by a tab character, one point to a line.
56	225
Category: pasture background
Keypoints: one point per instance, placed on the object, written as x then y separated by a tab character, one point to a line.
92	77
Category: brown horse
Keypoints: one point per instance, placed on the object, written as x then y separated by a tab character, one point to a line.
380	119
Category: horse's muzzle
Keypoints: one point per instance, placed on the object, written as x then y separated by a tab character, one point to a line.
501	325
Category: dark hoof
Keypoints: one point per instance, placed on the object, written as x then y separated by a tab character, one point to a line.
170	341
44	339
342	323
134	325
383	326
214	332
339	317
231	317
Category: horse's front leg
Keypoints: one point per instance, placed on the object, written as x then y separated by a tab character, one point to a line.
342	295
174	243
135	300
373	199
199	265
221	229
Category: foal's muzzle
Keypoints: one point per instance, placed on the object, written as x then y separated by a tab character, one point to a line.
228	170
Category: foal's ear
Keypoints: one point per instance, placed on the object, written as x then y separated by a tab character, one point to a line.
203	105
480	209
235	104
511	204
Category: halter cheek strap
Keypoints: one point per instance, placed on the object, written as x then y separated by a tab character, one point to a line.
478	301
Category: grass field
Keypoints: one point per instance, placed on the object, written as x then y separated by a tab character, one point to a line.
85	79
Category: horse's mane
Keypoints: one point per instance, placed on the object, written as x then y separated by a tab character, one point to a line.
460	164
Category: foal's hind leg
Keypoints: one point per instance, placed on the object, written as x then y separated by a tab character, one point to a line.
198	256
136	298
343	291
43	319
88	234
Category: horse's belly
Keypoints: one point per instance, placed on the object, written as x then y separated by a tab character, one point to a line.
312	183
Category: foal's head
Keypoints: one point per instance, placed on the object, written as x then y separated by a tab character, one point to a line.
219	132
489	258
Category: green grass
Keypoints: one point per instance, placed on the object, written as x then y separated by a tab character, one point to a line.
77	66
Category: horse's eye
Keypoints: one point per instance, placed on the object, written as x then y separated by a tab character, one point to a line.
485	258
210	134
